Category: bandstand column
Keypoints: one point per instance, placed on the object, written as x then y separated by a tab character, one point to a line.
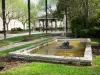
43	25
51	26
39	26
55	25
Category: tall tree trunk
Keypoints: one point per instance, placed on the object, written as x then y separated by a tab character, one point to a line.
46	16
29	17
4	19
85	7
87	10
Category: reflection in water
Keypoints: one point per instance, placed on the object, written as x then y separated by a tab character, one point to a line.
53	49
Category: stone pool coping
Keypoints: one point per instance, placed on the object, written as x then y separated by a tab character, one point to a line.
25	54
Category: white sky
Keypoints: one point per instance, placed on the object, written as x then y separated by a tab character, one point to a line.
34	1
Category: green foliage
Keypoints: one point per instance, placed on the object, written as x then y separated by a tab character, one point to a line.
94	21
95	32
17	9
95	40
74	8
80	30
84	32
77	13
50	2
77	25
94	26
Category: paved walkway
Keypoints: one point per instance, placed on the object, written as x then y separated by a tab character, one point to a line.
22	34
15	35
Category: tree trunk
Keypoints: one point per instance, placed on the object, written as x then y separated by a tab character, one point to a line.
29	17
86	13
4	19
7	25
85	7
46	16
23	26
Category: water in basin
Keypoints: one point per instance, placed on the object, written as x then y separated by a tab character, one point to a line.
52	48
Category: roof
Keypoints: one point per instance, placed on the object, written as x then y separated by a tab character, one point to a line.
49	17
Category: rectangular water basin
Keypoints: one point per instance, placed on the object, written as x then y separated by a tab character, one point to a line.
79	53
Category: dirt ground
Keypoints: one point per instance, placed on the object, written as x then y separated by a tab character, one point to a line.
96	49
8	63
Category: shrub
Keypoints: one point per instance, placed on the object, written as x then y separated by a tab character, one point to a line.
19	29
16	29
37	29
91	30
95	32
77	25
84	33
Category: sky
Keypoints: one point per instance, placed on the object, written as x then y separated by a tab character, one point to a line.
34	1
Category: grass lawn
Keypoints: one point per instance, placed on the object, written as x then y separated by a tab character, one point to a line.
37	68
16	39
95	40
5	52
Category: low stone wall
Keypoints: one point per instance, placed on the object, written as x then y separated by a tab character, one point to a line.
25	54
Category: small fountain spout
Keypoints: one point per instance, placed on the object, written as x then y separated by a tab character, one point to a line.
65	45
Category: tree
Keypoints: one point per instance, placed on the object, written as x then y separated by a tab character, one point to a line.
73	9
29	17
18	10
34	13
4	19
63	7
10	11
22	12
